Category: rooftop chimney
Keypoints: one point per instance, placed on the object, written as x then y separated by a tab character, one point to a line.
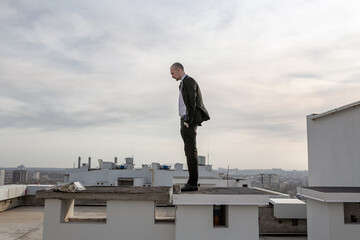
79	162
89	164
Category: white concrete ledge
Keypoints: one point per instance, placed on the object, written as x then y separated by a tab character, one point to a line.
289	208
11	191
332	194
200	199
336	110
223	196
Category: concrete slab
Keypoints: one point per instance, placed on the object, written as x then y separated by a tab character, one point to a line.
289	208
219	195
157	194
331	194
25	223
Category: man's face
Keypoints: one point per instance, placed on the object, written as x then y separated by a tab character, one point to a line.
175	73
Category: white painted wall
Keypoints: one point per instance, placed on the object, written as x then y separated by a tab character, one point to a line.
326	222
289	208
144	174
338	229
135	220
126	220
213	182
165	177
54	230
196	222
334	150
317	220
11	191
89	178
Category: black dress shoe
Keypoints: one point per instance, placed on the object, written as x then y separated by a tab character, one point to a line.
189	188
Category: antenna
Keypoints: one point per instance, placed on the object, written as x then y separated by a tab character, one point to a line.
227	176
132	151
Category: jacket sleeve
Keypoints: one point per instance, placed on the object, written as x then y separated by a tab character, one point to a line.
190	92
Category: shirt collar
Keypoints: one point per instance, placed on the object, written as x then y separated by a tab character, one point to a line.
183	77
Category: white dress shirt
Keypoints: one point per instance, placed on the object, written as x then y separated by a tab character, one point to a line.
182	107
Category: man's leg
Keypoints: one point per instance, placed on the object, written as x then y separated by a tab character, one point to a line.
189	138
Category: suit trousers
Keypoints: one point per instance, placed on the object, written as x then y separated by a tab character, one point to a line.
189	137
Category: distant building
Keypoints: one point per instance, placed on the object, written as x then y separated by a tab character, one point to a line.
2	177
156	174
201	160
266	178
21	167
20	176
35	176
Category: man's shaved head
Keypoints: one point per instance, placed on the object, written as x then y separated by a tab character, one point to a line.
178	65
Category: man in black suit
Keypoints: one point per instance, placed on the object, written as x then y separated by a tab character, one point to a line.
192	113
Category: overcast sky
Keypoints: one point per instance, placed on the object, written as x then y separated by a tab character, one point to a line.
91	78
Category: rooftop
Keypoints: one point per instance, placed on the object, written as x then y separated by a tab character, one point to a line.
205	195
229	191
332	194
222	195
275	201
26	223
336	110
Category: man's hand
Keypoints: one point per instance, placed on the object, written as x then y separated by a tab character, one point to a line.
186	124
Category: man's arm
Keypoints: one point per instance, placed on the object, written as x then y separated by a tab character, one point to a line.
190	92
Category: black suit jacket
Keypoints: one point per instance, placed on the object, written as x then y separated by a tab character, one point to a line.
195	108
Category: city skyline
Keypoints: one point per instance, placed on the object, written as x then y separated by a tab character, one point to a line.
92	79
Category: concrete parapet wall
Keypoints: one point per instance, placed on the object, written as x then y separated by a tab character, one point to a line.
11	191
31	200
127	220
17	195
326	222
196	222
11	203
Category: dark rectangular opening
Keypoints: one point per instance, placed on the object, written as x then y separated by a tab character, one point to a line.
165	213
352	213
87	214
294	222
123	182
220	215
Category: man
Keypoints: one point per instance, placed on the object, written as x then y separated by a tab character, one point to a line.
192	113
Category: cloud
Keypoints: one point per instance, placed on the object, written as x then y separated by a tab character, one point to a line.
262	65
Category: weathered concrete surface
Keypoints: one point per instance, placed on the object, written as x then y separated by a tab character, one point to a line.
26	222
11	203
22	223
157	194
